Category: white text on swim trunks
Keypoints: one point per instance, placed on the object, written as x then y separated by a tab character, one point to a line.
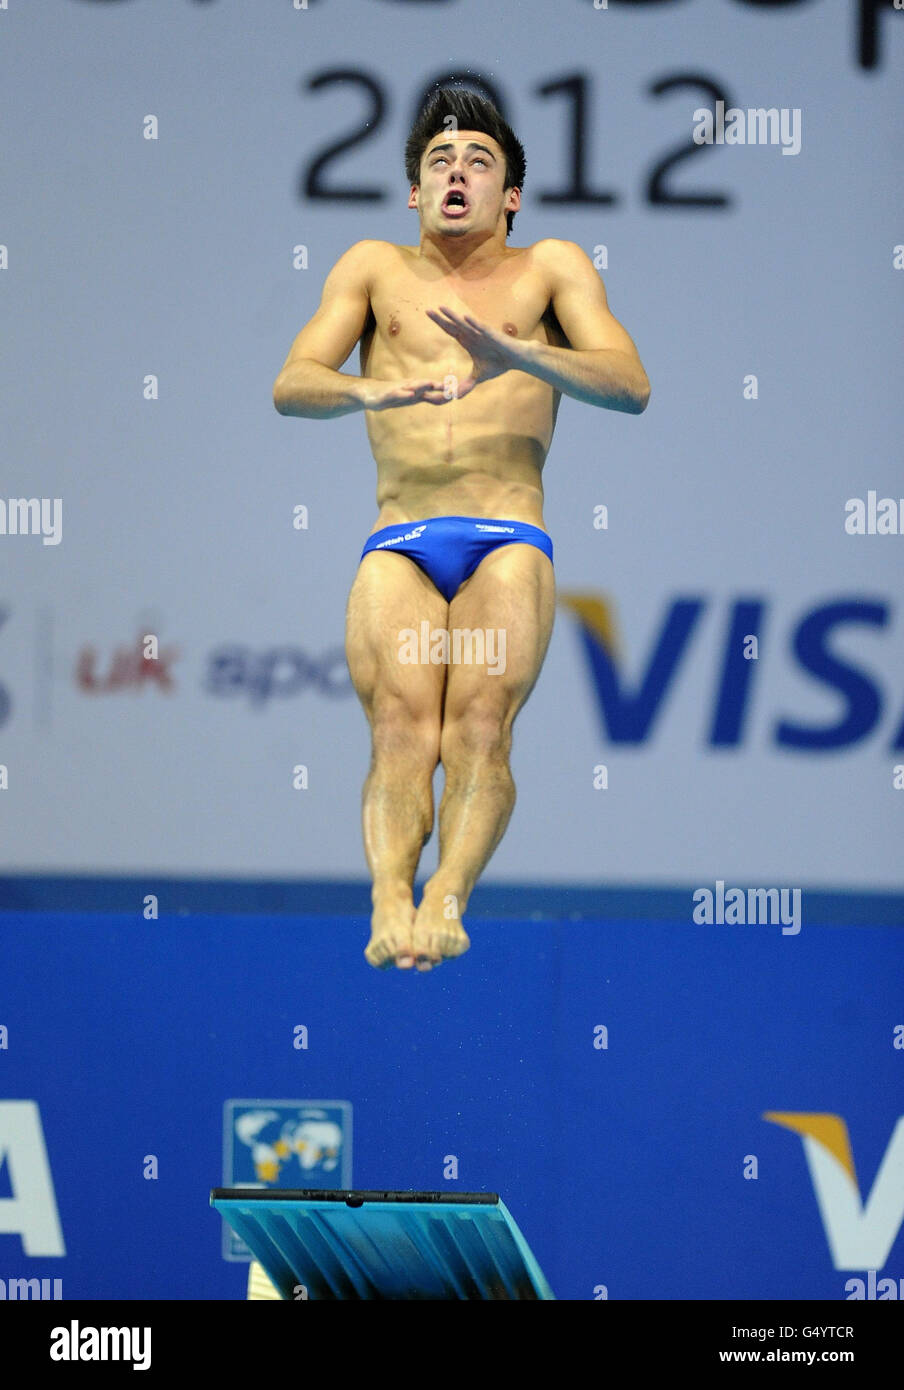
460	645
397	540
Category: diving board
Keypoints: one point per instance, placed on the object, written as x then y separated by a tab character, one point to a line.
319	1244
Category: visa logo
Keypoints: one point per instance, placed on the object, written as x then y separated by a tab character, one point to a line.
860	1230
629	709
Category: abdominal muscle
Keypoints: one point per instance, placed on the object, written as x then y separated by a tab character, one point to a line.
474	457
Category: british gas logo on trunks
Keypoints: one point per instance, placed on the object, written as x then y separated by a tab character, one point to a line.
408	536
630	707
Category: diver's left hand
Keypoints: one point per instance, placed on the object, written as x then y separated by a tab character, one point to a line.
492	353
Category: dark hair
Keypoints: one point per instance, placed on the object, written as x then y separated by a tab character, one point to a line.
472	112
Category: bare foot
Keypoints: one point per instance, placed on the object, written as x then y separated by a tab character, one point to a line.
391	926
436	938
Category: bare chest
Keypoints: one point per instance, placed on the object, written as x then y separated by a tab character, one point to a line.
512	302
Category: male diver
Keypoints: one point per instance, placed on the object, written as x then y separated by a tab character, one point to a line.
466	345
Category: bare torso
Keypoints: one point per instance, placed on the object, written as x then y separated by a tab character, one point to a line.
479	456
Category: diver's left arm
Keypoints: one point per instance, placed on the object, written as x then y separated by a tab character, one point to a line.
602	366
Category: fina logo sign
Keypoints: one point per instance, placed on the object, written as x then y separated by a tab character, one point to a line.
860	1235
628	714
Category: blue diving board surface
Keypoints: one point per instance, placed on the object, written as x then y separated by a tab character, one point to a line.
384	1245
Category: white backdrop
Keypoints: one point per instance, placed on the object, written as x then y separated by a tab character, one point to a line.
129	256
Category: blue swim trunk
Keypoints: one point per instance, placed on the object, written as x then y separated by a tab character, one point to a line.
449	548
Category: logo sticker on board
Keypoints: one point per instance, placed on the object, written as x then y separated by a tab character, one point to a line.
284	1144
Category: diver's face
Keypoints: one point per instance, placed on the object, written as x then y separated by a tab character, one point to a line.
462	186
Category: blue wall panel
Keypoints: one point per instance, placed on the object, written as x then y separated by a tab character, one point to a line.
622	1165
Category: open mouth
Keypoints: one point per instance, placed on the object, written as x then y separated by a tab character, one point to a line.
455	204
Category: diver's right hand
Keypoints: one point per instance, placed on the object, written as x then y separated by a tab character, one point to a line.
388	395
